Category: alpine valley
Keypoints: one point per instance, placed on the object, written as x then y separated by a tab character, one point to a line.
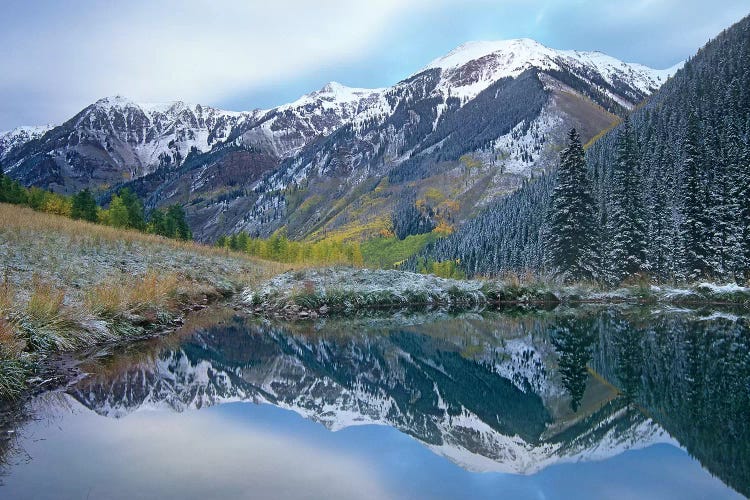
519	272
465	130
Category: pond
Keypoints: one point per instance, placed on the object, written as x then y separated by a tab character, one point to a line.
572	403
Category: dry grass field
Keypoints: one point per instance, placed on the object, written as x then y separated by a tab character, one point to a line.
67	284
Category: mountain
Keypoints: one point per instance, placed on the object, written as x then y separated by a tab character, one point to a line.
469	127
116	139
672	185
19	136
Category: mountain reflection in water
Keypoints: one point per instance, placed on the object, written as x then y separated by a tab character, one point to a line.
512	393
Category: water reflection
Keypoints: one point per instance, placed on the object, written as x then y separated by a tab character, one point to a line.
513	393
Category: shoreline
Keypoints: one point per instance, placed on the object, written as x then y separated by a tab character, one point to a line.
48	366
67	284
313	293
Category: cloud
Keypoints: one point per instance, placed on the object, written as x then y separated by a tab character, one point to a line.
196	454
66	54
58	57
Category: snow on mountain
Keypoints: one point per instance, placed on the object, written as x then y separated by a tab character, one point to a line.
144	135
473	66
511	454
19	136
284	130
333	95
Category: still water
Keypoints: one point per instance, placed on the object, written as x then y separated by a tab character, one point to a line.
575	403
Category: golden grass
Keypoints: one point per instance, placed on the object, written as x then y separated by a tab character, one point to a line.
46	301
11	345
68	284
132	294
15	219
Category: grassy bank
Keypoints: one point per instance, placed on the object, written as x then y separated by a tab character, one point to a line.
314	292
67	284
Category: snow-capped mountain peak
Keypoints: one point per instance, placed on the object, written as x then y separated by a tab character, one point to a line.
119	103
473	66
20	136
519	50
334	94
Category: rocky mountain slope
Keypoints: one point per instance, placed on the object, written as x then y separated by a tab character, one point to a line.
686	205
468	127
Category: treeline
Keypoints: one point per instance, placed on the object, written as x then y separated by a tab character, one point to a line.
281	249
125	209
665	196
408	219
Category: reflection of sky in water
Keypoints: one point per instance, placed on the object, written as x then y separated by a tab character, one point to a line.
243	450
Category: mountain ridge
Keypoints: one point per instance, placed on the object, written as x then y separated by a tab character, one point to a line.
503	107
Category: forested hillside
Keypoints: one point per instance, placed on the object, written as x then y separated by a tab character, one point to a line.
671	186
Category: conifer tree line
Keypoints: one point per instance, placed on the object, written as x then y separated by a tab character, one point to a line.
670	188
125	209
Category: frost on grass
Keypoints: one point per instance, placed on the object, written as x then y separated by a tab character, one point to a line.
66	284
346	288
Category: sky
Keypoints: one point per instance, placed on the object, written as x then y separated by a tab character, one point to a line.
58	57
244	450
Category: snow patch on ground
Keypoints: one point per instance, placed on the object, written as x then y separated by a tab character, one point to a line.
402	285
728	288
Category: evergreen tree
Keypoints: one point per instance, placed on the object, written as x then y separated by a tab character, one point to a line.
694	231
572	217
659	229
157	223
573	340
626	218
134	207
738	212
83	206
179	228
118	213
629	352
2	185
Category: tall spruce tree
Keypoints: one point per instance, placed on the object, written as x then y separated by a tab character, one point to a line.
136	219
176	220
573	341
659	227
626	218
572	217
694	231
